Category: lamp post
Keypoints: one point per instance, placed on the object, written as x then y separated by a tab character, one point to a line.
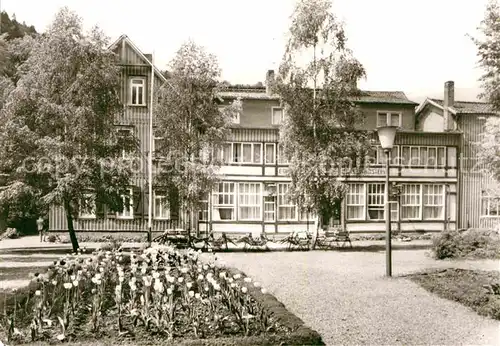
386	135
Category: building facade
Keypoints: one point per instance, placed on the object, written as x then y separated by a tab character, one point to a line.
135	92
477	208
252	195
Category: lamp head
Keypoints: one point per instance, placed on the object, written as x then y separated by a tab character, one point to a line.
386	135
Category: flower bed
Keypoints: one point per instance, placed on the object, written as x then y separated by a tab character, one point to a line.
157	295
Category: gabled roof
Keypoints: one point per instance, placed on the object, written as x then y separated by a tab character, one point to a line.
391	97
459	107
138	51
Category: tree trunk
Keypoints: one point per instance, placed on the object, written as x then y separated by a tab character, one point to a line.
316	232
71	229
4	217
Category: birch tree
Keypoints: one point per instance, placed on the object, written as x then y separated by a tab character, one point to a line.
317	82
58	137
488	48
191	126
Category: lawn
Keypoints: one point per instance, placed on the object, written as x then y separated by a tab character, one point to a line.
153	296
477	289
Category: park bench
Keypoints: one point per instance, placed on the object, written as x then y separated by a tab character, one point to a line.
251	243
298	240
339	237
177	237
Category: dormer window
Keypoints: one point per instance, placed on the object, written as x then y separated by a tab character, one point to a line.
137	91
277	115
389	119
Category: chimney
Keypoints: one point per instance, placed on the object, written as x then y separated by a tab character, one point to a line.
448	101
149	57
269	81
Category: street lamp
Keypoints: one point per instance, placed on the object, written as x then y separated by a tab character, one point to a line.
386	135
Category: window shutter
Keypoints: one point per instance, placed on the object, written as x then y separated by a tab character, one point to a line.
138	201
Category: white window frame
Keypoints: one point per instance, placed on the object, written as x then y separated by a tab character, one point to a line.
133	86
270	200
377	195
287	203
419	204
203	214
225	192
273	109
123	215
232	149
380	155
247	204
491	204
273	145
85	214
420	160
433	205
388	118
362	197
126	154
158	198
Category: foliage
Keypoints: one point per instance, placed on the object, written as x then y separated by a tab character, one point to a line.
473	243
58	135
476	289
320	128
191	125
488	46
13	29
158	294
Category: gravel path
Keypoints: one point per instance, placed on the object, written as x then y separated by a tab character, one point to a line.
347	299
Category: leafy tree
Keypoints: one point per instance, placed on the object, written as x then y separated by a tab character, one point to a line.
488	47
317	83
13	29
191	126
57	133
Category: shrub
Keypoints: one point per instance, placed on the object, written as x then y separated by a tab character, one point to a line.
473	243
10	233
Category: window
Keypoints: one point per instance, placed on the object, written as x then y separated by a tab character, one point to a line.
282	159
88	206
137	91
376	201
270	154
250	201
423	156
355	200
156	144
389	119
490	206
410	201
128	206
286	209
277	115
224	202
203	214
240	153
161	207
379	155
269	208
125	133
433	196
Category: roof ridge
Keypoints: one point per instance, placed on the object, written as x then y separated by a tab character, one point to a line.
481	102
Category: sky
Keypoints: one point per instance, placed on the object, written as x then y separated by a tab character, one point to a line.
407	45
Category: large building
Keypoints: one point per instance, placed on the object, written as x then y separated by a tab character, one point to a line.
252	196
477	208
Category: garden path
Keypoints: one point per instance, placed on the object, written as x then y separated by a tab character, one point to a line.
347	299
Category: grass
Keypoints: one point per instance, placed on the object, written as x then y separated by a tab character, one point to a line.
476	289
